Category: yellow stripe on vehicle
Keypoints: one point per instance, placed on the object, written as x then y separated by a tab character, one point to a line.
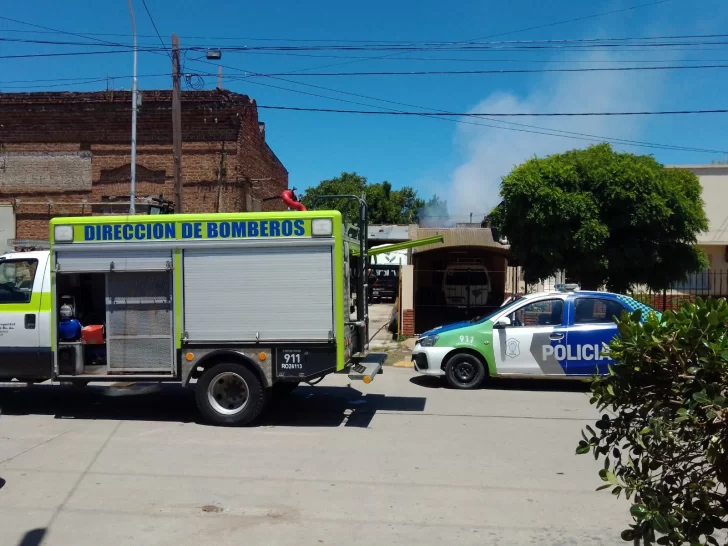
39	302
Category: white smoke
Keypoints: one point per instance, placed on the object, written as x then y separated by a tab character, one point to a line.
491	153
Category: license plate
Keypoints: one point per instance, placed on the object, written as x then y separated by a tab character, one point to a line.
291	360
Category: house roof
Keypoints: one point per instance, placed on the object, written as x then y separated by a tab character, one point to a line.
458	237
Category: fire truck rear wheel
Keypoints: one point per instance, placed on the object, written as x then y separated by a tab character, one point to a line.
230	394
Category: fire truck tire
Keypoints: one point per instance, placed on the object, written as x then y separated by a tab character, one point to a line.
230	394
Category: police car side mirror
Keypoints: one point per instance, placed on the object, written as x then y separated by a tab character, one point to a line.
502	323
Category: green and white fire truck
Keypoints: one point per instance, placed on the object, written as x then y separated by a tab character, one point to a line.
239	306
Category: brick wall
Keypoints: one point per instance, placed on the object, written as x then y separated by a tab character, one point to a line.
29	172
226	163
408	322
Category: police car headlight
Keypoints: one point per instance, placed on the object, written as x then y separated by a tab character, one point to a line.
63	234
428	341
322	227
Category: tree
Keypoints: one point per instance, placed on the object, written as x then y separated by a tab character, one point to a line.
607	218
665	444
385	205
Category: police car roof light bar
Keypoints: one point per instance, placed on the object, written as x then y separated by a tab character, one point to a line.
29	244
572	287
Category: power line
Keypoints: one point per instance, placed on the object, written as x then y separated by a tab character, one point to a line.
503	71
58	31
439	116
482	60
54	30
144	2
164	51
517	31
78	53
641	41
530	128
588	44
500	114
576	19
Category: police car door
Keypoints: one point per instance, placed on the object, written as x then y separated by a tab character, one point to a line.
532	339
590	326
20	295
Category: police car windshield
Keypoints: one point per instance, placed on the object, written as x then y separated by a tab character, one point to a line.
497	311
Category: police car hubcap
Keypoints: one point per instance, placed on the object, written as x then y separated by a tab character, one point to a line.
464	372
227	393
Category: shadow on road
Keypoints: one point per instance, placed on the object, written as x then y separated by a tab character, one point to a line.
508	384
334	406
306	406
32	538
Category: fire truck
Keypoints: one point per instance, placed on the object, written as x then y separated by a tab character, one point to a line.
241	306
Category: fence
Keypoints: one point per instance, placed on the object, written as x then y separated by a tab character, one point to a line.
443	296
710	283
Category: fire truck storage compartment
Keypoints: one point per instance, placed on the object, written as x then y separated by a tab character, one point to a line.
254	293
132	297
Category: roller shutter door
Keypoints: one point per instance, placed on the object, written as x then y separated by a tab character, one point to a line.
259	294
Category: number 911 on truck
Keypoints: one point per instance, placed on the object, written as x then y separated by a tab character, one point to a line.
239	306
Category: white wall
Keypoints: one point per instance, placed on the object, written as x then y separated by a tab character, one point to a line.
7	226
714	180
398	257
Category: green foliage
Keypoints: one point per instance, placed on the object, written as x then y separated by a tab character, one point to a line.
606	218
664	431
386	206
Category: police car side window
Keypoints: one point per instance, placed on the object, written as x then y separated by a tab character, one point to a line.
539	313
16	280
596	310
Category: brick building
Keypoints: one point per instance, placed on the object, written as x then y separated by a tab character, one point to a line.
69	154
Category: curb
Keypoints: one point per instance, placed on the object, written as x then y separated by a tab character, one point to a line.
403	364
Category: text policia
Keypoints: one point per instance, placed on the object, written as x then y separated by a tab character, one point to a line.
578	352
195	230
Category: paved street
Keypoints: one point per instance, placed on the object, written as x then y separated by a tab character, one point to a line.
400	461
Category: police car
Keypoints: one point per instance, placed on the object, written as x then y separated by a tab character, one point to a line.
553	334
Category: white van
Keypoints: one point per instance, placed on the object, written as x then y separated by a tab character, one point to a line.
466	284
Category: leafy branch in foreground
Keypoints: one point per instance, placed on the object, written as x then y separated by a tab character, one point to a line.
664	431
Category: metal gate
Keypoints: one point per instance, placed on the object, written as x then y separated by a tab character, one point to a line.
139	321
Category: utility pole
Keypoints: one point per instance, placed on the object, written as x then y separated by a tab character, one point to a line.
132	191
177	124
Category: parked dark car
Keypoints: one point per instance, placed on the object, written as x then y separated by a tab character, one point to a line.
386	283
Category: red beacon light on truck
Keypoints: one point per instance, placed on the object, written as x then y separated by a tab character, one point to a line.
289	198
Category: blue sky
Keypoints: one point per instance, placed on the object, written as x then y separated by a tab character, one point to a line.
461	162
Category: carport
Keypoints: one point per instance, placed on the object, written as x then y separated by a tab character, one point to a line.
462	257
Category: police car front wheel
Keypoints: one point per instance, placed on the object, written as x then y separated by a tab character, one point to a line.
464	371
